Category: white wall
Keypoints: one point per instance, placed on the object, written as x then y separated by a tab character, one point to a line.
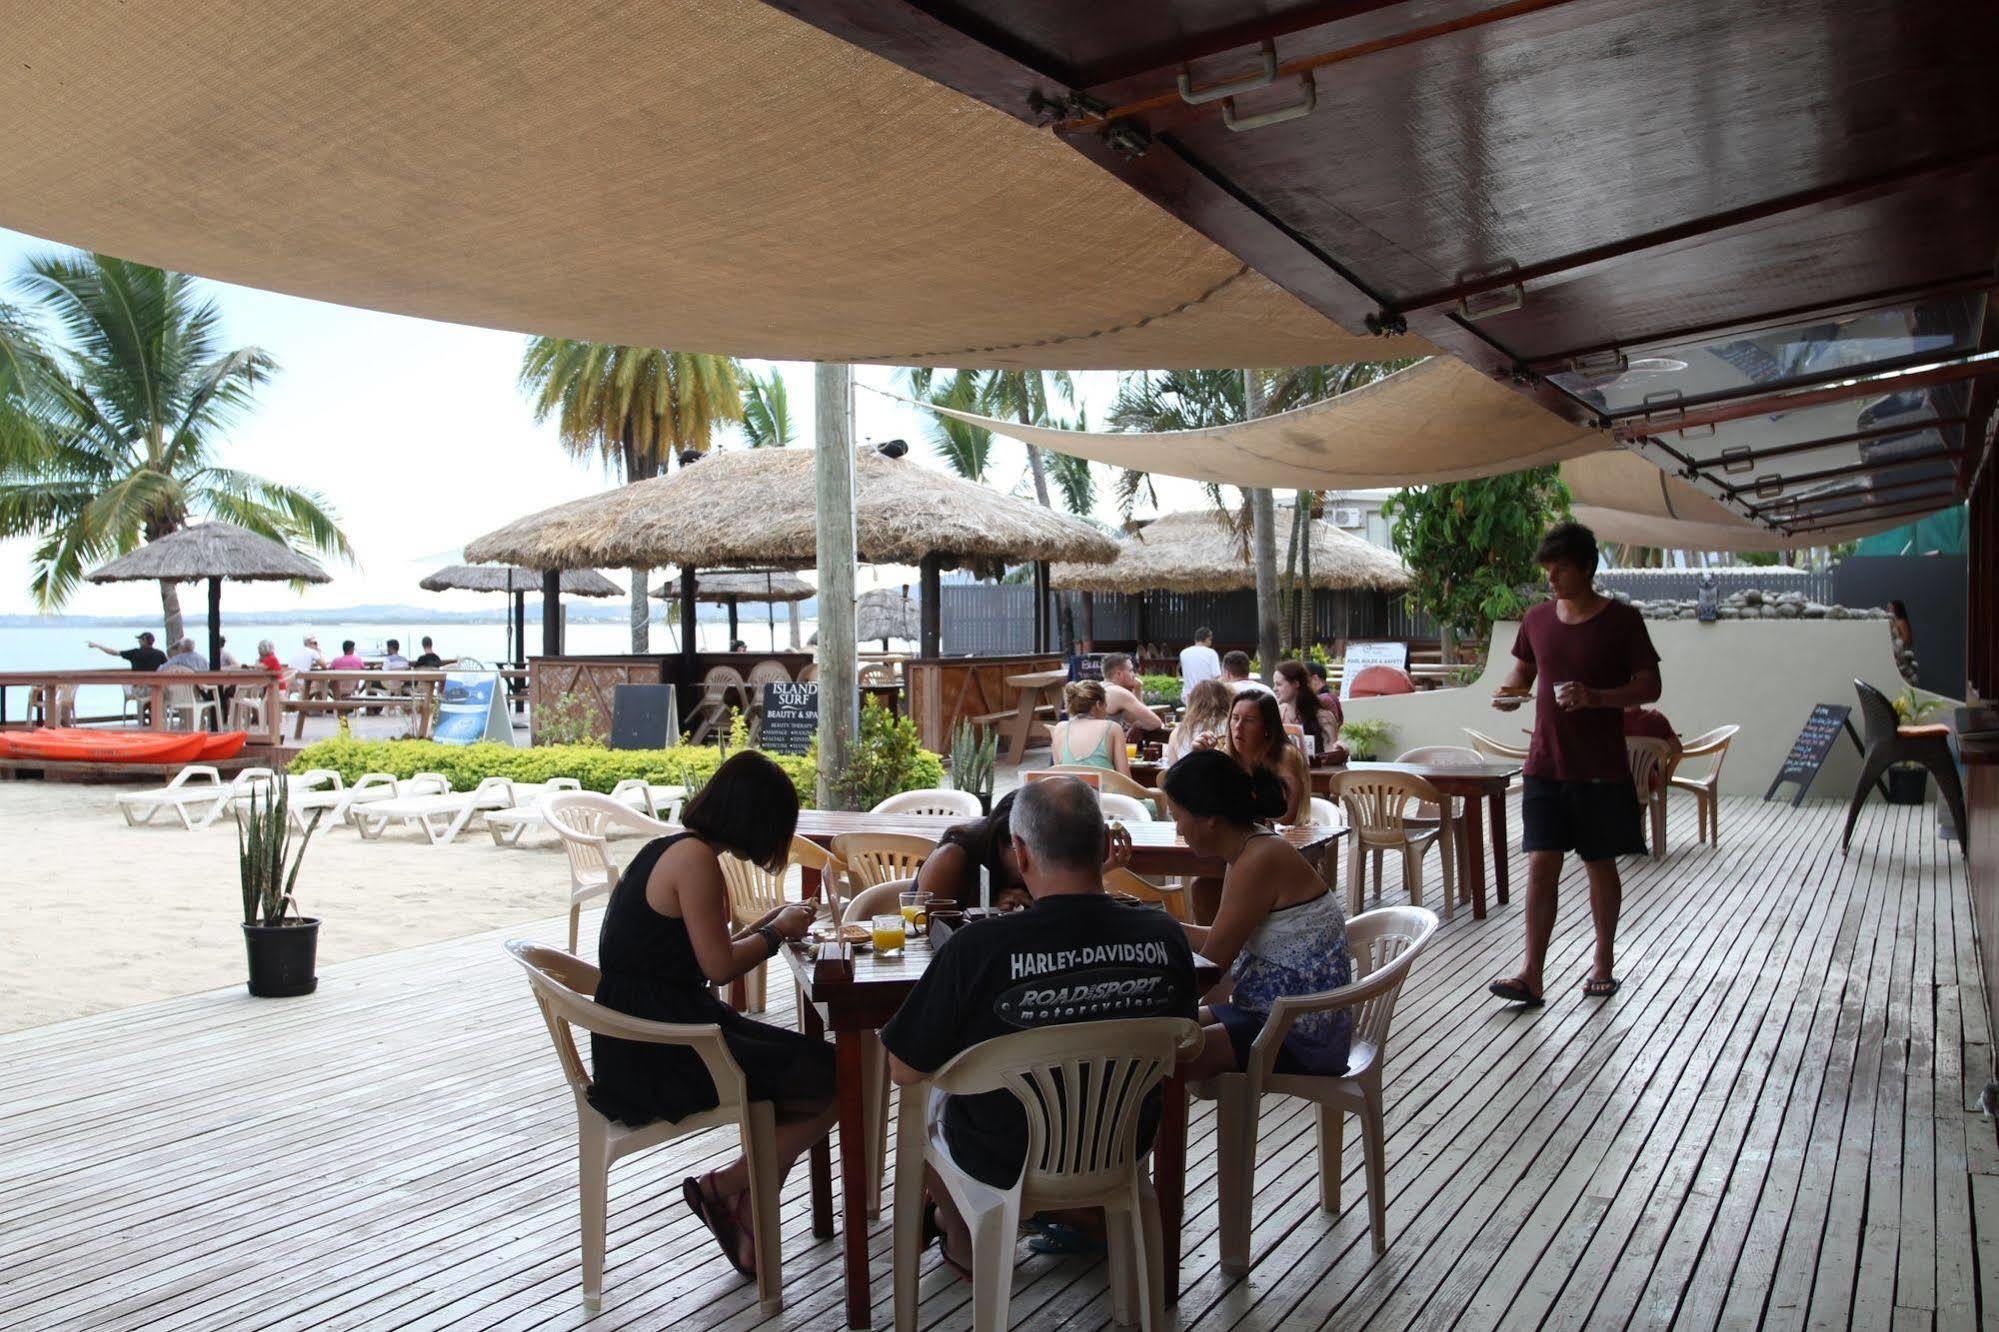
1763	675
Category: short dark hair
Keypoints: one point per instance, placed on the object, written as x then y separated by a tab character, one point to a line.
1060	823
347	645
749	808
426	640
395	645
1236	663
1209	784
1113	661
145	635
1568	541
1203	634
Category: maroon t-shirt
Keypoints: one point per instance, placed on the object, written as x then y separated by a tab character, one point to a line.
1603	652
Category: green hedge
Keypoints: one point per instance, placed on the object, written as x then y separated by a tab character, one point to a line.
465	766
1161	689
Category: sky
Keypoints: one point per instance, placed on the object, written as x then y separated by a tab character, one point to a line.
417	436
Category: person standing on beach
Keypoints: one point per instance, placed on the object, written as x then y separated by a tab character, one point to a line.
1592	659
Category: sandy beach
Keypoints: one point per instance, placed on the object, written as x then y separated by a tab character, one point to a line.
102	916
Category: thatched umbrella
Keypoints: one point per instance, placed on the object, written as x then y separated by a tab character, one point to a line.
768	586
213	551
757	508
885	613
517	581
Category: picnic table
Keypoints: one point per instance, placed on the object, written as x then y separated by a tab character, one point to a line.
319	691
1035	691
852	994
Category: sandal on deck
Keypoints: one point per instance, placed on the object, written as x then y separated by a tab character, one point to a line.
1513	992
721	1222
1601	988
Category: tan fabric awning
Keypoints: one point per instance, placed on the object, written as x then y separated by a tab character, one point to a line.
1623	498
713	177
1438	420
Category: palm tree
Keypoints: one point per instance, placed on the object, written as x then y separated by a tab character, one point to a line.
766	411
108	432
635	408
964	447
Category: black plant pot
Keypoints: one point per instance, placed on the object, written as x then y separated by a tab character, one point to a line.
281	958
1908	786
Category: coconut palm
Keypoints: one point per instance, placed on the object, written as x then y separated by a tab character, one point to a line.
767	411
636	409
964	447
109	428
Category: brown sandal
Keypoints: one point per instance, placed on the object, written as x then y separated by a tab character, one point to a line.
722	1223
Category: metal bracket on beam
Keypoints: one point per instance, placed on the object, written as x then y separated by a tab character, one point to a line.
1215	92
1769	485
1128	139
1737	459
1499	300
1296	111
1608	364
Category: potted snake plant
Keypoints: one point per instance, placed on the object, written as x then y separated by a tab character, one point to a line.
973	752
282	943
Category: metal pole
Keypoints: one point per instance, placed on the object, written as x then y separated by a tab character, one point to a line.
215	624
833	475
928	612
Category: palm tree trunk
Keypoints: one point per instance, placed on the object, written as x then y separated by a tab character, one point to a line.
1288	586
1262	543
641	611
170	603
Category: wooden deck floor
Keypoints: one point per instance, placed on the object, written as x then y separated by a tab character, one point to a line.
1768	1127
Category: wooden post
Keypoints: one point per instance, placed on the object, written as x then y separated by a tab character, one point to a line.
688	682
551	612
797	633
1090	622
839	684
215	625
930	617
1041	607
734	631
520	643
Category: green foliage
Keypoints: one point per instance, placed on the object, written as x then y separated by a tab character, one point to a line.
964	447
884	759
767	411
974	750
567	720
263	845
1758	559
1911	707
635	408
1161	689
1470	545
1366	738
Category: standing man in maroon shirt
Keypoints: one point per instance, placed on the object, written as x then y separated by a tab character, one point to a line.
1587	658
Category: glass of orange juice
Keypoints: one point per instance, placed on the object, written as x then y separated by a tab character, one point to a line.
890	933
1131	751
915	908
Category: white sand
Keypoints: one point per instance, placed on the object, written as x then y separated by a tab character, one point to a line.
101	916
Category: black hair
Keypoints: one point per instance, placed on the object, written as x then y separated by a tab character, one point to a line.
347	646
1898	610
1203	634
426	640
1316	671
749	808
984	841
1236	663
1209	784
1568	541
395	645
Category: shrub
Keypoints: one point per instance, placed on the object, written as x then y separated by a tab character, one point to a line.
885	759
1161	689
567	720
1366	737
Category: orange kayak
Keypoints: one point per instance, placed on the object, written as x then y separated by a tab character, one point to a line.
77	745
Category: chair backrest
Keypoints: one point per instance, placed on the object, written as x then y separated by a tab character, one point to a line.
931	800
1877	714
1087	776
877	673
872	858
1376	802
1173	899
1105	779
1323	813
1117	806
1650	758
583	821
1716	741
1081	1086
178	696
880	899
753	890
1383	944
808	673
1485	744
1447	756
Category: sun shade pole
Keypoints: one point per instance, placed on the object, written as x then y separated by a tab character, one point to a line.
215	624
551	613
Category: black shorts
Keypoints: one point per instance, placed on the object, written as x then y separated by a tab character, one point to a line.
1596	820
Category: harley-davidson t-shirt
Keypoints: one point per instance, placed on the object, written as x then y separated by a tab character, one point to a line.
1069	958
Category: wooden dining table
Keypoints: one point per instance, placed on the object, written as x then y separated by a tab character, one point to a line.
851	994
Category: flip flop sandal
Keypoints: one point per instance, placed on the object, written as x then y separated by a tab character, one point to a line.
1602	989
1514	993
933	1231
727	1235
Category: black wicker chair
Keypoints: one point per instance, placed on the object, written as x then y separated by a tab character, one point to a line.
1889	742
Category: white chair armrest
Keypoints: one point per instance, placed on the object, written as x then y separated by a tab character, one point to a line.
1288	1009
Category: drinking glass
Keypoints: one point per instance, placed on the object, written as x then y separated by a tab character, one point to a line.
889	933
915	907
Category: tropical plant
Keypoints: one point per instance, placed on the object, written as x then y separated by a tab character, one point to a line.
1470	546
965	448
882	759
1161	689
1074	476
268	868
109	430
636	409
1911	707
974	751
1366	738
767	411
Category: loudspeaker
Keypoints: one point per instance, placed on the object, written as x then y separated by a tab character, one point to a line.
643	716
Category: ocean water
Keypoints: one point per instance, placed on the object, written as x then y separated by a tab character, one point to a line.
66	647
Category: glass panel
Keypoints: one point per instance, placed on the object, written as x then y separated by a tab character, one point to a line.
1787	443
1861	343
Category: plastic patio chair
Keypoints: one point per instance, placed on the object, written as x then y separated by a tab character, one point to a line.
1376	805
1081	1087
1117	806
1171	895
1384	944
441	816
1323	813
932	800
197	786
754	890
1890	742
178	699
1492	748
583	822
1706	787
722	688
872	858
564	990
1651	773
1112	781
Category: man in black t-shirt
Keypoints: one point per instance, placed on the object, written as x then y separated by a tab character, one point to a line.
144	657
429	661
1075	956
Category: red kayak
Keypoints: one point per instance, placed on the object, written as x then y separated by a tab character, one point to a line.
77	745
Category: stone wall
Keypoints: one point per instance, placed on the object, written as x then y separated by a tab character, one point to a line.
1751	605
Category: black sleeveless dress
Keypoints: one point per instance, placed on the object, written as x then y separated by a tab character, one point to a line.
649	971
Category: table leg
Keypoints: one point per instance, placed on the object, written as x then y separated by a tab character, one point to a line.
820	1156
1475	853
1169	1177
1499	846
854	1176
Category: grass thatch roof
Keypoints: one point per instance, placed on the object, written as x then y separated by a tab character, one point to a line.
742	585
756	508
512	578
211	550
885	612
1200	552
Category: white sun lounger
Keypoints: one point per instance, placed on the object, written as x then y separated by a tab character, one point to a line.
510	826
197	787
323	790
441	816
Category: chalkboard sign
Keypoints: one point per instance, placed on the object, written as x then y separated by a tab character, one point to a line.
1814	743
1089	666
643	716
791	717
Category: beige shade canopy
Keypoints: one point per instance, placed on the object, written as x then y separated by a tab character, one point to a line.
1200	552
754	186
211	550
511	578
769	585
757	508
1437	420
1623	498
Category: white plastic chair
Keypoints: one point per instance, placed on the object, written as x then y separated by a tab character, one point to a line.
1384	944
197	786
1111	782
248	782
583	820
1652	772
1323	813
1081	1087
564	990
1123	807
178	699
1492	748
722	688
439	817
872	858
508	827
249	706
932	800
1706	788
755	891
372	787
1376	804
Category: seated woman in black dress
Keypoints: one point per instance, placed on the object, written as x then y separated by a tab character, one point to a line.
666	939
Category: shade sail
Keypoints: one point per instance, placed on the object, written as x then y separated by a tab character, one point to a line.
1623	498
1438	420
1200	552
717	177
